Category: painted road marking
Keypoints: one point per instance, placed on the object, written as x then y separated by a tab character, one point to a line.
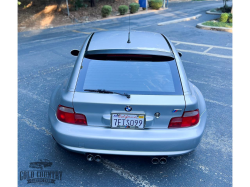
34	125
65	38
99	29
136	179
219	103
203	45
41	40
81	32
34	96
208	83
207	50
202	53
179	20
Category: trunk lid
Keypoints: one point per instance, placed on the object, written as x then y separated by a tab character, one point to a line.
97	107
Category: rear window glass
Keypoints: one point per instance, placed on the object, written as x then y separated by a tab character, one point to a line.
132	77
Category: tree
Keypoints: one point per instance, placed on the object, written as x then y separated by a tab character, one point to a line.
225	3
92	3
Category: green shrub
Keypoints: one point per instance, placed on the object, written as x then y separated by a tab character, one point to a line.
156	4
223	17
123	9
106	10
226	9
134	7
149	2
230	18
76	4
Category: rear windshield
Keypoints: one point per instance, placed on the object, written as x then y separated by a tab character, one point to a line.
132	77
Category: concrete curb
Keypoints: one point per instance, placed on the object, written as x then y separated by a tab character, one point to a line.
179	20
200	26
214	13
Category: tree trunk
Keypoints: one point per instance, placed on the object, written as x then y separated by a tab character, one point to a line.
92	3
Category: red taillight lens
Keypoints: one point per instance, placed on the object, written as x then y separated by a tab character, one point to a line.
188	119
68	115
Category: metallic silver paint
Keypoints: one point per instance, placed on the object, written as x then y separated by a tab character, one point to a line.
75	72
155	140
103	140
117	40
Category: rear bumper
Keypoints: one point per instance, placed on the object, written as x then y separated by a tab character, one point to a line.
148	142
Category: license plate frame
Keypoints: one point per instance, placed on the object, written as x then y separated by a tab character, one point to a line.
124	127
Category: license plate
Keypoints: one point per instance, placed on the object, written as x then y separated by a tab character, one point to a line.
128	121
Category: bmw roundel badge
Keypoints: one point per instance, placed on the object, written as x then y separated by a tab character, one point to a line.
128	108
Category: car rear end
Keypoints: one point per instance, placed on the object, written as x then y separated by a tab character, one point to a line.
157	119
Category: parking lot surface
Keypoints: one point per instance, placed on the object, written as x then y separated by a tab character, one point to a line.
44	61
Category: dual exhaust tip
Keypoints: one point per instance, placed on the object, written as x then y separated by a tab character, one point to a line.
91	157
156	160
98	158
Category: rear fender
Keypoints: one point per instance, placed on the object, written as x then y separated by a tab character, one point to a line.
199	97
61	96
191	100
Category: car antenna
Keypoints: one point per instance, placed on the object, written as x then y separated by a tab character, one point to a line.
129	27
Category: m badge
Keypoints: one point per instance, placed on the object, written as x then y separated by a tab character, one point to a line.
177	110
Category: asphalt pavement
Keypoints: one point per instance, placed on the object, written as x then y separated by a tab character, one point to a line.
44	61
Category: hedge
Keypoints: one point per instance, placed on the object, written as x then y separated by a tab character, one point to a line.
106	10
123	9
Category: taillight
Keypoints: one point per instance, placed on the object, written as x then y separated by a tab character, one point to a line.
68	115
188	119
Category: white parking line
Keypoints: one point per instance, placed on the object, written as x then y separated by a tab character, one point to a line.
203	45
136	179
33	124
208	83
202	53
34	96
179	20
219	103
207	49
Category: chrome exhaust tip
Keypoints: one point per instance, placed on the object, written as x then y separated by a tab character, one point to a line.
98	158
90	157
155	160
163	160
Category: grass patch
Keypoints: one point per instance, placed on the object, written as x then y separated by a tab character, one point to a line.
217	24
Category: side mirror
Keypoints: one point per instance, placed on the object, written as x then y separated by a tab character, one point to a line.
180	54
75	52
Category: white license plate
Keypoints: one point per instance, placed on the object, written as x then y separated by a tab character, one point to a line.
127	121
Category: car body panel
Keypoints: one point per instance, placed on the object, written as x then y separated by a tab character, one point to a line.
98	137
118	40
95	105
104	140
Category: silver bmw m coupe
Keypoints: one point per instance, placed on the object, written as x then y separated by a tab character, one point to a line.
128	94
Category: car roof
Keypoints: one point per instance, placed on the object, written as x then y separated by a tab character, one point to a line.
140	40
